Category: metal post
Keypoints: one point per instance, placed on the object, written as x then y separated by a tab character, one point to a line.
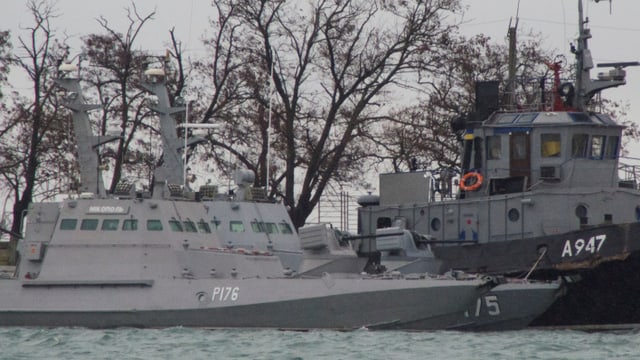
266	185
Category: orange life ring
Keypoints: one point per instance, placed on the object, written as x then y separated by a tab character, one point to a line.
471	181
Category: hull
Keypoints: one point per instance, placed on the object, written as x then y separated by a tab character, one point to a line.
512	305
249	303
602	264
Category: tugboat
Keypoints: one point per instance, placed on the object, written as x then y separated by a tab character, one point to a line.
175	257
542	194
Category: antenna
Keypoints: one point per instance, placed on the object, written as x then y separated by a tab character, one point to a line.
597	1
266	185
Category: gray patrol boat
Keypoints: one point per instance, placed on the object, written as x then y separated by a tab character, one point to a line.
175	257
542	194
512	305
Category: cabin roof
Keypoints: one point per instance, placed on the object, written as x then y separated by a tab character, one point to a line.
528	119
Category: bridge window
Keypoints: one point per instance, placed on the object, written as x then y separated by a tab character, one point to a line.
89	224
550	145
204	227
271	228
236	226
175	225
579	145
154	225
257	226
130	225
189	226
110	224
494	147
611	149
285	228
597	147
68	224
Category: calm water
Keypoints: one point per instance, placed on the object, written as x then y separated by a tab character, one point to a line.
181	343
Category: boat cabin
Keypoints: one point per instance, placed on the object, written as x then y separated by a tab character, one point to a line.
516	152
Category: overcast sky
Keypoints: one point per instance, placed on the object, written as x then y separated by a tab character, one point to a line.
614	25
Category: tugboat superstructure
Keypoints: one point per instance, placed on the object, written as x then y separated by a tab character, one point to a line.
540	196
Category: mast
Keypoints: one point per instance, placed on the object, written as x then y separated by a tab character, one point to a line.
87	144
511	84
585	87
170	174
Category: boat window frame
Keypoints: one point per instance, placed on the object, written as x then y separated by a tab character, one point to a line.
596	151
236	226
108	225
258	227
285	228
133	225
189	226
66	224
89	224
175	225
204	227
612	147
494	147
270	228
550	145
154	222
574	146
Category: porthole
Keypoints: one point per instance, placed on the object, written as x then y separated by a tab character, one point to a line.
581	211
514	215
202	297
435	224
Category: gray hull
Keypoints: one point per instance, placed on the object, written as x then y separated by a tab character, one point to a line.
511	306
249	303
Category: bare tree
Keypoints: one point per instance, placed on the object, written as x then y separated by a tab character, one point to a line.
5	58
331	64
420	135
34	130
117	67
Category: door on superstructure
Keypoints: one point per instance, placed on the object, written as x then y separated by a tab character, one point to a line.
519	154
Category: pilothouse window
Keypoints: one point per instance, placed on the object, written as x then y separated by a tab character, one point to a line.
271	228
204	227
257	226
89	224
579	144
285	228
236	226
550	145
189	226
611	148
494	147
68	224
110	224
130	225
154	225
175	225
597	147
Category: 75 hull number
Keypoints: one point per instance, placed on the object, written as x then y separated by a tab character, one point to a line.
580	246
